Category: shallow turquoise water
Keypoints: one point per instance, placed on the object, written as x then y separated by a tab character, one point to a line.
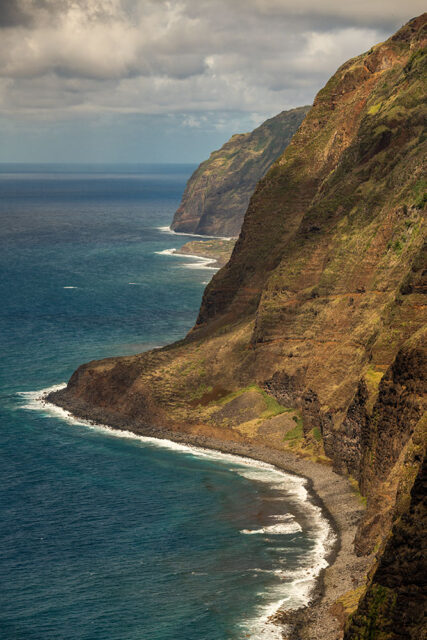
105	537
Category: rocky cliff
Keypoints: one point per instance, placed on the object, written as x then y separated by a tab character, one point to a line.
394	605
217	194
310	340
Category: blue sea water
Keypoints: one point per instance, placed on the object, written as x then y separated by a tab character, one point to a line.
104	536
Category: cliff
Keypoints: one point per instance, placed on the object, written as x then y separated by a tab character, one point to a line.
217	194
394	605
310	340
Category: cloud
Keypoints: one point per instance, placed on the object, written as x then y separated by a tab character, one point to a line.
11	15
378	13
64	59
99	40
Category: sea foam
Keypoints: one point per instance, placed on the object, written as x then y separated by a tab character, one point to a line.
191	235
286	524
296	586
199	261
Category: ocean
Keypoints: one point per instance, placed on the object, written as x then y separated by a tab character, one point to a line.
104	535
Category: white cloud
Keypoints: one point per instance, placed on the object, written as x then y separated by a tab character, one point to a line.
361	12
322	50
62	59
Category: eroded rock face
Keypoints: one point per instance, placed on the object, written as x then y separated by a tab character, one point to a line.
394	606
392	440
217	194
347	453
400	406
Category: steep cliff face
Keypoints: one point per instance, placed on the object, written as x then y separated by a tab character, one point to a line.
311	338
394	606
217	194
330	260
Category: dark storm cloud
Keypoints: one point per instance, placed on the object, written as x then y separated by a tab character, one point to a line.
12	14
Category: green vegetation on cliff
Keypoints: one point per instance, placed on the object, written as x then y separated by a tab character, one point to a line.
218	192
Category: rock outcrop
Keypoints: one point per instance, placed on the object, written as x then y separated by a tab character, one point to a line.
217	194
394	606
319	313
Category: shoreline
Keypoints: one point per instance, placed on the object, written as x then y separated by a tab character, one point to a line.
327	490
214	250
193	235
202	262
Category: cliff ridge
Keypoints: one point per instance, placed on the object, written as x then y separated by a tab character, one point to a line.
217	194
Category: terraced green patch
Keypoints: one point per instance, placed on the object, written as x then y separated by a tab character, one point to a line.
272	407
297	432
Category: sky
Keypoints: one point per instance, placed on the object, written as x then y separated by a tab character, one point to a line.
168	80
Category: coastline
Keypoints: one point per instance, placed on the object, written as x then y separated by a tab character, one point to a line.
192	235
331	492
214	250
200	261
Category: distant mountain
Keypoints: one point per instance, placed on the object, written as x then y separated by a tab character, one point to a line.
217	194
